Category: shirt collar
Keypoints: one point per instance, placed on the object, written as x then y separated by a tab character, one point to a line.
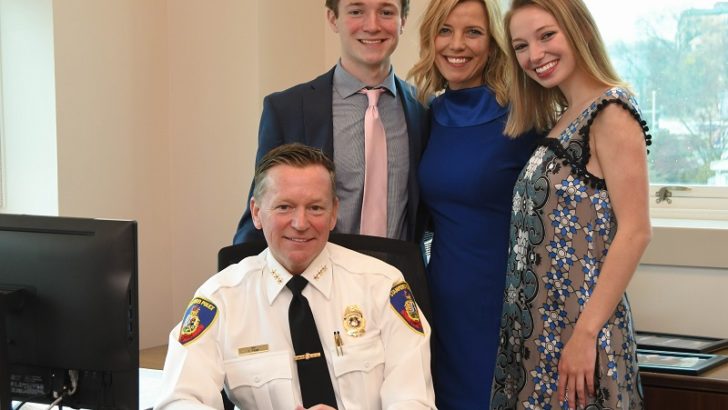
319	275
347	85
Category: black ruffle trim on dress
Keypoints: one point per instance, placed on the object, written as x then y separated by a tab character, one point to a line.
577	153
584	131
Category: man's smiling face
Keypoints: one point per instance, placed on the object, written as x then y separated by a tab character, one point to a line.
296	211
369	32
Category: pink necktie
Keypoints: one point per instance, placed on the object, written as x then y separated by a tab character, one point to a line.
374	202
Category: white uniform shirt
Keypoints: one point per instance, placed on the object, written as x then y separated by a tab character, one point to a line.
247	347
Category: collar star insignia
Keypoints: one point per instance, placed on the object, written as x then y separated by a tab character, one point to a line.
279	280
276	276
320	272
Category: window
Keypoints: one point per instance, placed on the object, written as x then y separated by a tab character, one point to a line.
674	53
2	147
2	151
28	114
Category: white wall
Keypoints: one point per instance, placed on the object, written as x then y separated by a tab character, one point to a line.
158	108
676	299
223	59
213	101
682	284
111	70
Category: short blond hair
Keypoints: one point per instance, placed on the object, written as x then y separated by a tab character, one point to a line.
428	78
295	155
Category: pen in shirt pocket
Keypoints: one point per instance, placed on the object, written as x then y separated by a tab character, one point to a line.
339	343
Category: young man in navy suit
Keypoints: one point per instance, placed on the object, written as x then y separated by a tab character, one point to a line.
328	113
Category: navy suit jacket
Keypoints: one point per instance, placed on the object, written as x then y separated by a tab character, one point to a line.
303	114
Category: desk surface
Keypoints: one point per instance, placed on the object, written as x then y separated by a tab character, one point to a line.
151	361
153	357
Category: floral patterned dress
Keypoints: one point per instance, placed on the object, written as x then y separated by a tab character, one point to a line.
561	228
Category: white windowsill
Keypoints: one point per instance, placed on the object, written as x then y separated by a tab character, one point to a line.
688	242
690	223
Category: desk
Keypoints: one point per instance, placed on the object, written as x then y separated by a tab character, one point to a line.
153	357
707	391
149	383
151	362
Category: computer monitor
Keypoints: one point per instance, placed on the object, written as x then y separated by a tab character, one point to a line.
68	288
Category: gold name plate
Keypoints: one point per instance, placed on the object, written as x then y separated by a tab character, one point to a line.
252	349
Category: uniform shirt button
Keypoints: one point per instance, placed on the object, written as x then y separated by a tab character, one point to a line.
257	379
366	365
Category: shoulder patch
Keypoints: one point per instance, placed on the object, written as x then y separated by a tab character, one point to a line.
403	303
199	316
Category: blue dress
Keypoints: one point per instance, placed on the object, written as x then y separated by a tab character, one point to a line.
466	176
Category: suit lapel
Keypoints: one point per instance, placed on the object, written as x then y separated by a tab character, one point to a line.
318	114
412	118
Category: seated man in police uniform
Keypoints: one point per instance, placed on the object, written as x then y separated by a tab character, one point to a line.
352	338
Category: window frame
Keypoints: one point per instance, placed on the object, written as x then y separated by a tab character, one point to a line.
2	134
699	202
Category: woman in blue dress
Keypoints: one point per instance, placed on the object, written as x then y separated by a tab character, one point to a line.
466	176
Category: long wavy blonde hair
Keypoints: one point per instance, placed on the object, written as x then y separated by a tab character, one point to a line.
536	107
428	78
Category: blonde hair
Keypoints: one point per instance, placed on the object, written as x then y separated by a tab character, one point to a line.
428	78
536	107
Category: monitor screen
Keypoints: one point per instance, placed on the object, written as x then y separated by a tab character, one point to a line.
71	310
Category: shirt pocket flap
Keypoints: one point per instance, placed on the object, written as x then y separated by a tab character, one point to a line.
258	369
360	357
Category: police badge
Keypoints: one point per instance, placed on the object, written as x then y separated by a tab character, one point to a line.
354	322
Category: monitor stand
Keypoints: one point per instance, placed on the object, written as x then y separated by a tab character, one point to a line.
10	300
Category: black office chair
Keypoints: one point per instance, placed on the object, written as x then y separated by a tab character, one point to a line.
405	256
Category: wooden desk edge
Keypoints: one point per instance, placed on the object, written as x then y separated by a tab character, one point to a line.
684	382
153	357
714	380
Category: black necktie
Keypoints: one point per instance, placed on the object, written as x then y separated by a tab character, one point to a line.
313	374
